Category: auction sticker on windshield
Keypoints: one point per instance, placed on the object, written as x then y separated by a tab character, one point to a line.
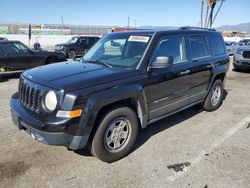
138	39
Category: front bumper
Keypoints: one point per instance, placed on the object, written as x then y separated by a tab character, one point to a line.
241	63
64	51
24	121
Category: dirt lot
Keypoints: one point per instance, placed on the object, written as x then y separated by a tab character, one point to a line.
190	149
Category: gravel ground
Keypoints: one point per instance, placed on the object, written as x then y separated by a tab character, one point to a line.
193	148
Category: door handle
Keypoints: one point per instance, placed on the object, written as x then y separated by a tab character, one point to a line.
210	66
185	72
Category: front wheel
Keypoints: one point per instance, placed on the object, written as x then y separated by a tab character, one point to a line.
71	54
215	96
116	134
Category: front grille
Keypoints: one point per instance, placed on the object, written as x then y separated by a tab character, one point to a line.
246	54
30	97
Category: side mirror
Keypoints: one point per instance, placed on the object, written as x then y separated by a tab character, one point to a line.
162	62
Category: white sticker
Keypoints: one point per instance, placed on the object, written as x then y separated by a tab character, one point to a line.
138	39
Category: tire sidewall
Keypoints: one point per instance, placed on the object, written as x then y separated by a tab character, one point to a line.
98	148
208	104
70	56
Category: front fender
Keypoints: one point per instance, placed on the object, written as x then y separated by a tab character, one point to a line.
101	99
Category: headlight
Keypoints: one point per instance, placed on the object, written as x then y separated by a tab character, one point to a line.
59	47
50	101
240	51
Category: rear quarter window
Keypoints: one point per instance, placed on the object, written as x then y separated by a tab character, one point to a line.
217	44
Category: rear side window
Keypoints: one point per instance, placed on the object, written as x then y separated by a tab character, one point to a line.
92	40
217	44
199	46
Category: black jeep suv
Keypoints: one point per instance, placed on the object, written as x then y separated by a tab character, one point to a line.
77	46
125	82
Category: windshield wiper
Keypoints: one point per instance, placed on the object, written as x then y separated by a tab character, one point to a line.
98	61
83	60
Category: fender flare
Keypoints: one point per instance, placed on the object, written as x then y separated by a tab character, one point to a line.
101	99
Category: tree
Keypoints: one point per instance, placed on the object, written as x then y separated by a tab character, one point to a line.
209	20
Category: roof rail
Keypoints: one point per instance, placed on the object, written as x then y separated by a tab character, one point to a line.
199	28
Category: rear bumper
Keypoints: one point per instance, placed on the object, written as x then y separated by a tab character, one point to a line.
25	122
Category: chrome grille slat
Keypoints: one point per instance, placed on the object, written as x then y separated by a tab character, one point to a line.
30	97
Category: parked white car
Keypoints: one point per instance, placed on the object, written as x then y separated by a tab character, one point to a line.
242	57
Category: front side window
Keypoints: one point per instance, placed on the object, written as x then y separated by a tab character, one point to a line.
122	50
171	46
199	47
73	40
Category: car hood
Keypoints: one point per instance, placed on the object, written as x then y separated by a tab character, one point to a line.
73	75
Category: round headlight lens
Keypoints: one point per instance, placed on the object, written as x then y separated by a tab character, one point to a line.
50	101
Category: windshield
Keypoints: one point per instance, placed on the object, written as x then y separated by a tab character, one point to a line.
248	43
73	40
122	50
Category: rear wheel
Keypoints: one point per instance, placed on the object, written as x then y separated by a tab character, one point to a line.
214	98
236	68
116	134
71	54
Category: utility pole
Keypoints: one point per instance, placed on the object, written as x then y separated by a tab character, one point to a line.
135	22
62	23
128	21
202	5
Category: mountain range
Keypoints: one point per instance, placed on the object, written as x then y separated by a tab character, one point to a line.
238	27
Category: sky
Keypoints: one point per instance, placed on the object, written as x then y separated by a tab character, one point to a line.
116	12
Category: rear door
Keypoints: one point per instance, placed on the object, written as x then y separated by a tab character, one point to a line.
169	88
202	65
83	44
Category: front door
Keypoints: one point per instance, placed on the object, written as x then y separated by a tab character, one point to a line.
169	88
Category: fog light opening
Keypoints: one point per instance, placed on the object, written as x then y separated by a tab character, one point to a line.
33	136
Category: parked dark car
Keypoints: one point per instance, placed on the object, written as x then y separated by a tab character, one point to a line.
125	82
3	39
14	56
77	46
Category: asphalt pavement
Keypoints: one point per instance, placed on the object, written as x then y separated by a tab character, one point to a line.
193	148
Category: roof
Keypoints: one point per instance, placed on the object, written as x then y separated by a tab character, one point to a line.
8	41
181	30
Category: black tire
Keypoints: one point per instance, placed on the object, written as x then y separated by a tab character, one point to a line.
71	54
236	68
99	146
210	103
